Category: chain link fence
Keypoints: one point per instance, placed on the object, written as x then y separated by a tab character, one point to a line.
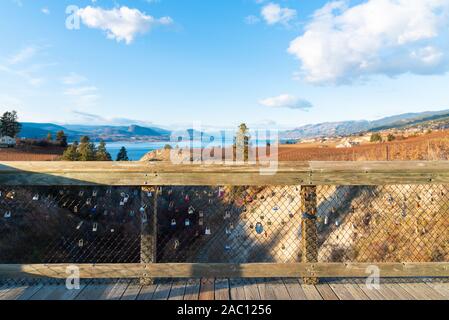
407	223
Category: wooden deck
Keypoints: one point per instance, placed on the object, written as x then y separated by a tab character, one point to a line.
229	289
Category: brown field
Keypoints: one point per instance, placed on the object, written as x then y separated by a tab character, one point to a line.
433	146
31	153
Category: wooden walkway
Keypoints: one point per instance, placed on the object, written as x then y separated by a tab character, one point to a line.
229	289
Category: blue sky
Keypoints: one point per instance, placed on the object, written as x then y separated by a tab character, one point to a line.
282	63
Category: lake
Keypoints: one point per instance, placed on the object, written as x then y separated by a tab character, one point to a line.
136	150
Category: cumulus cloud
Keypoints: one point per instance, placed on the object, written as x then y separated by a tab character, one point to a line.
286	101
273	13
121	24
390	37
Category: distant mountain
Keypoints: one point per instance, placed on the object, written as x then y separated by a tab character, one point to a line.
41	130
345	128
108	133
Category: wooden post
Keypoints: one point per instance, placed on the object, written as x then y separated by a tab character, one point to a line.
309	228
148	233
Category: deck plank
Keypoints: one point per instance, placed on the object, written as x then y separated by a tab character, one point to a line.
412	290
442	288
29	292
192	290
177	290
341	291
279	290
251	290
326	291
162	291
115	291
222	289
261	285
4	288
132	291
294	289
93	291
311	292
147	292
207	289
399	291
372	293
13	292
44	293
237	289
355	290
62	293
429	291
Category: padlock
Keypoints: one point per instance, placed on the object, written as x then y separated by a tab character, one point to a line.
187	222
36	197
259	228
95	227
207	232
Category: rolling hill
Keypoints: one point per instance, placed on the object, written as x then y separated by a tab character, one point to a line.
345	128
108	133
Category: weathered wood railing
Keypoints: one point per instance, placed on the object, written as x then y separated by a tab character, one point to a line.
306	174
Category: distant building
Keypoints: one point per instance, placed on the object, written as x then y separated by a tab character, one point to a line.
347	144
7	142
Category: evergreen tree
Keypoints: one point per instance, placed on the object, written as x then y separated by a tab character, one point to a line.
61	138
102	153
86	150
122	155
71	153
9	126
376	137
49	137
242	140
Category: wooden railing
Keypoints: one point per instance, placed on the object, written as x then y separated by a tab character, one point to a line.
306	174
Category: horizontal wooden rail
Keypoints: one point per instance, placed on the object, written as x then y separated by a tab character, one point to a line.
208	270
162	174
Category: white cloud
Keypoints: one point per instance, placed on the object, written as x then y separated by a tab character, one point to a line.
19	65
83	97
390	37
80	91
121	24
45	11
273	13
286	101
23	55
73	79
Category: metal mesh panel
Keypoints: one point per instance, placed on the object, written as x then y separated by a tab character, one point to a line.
222	224
383	224
229	224
69	225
